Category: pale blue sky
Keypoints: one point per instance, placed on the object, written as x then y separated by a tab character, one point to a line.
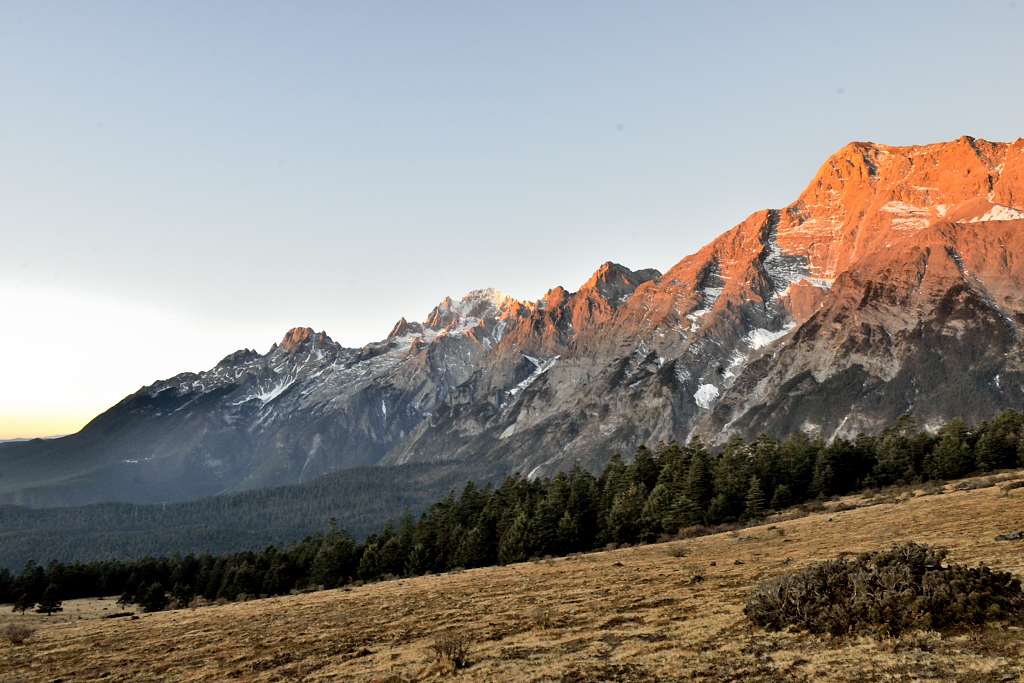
178	180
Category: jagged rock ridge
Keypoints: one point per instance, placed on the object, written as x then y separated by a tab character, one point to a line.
892	285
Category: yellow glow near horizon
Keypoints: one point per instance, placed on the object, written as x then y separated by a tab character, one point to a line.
31	426
69	355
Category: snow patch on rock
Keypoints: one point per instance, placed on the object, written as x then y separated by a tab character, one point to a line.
706	395
540	367
268	395
760	337
907	216
998	212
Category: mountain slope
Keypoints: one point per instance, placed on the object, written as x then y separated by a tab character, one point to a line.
893	284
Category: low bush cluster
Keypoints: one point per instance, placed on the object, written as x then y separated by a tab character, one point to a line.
17	634
451	650
886	593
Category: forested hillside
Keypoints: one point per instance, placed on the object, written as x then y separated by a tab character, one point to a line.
658	493
361	500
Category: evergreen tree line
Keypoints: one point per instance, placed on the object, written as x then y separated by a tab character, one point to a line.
656	494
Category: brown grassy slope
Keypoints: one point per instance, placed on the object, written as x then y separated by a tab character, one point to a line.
631	614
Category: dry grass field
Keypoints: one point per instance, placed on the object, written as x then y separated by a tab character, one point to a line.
668	612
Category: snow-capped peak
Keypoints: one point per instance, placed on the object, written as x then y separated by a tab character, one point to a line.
476	304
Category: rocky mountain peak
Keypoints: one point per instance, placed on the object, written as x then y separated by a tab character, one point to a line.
478	303
297	337
238	357
403	327
554	298
614	282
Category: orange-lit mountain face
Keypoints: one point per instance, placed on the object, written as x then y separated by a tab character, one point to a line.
892	285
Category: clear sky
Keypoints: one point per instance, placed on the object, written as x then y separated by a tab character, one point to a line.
182	179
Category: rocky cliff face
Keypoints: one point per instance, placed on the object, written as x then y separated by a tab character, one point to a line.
892	285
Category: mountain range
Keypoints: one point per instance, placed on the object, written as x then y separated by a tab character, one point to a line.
894	284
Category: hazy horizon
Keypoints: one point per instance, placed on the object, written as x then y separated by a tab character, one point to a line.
185	180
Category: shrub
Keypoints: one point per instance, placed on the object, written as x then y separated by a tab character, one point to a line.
17	634
118	615
1013	485
543	617
886	593
451	649
199	601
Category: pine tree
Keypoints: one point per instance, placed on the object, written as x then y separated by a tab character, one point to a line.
987	452
246	581
568	533
614	480
720	509
23	603
544	522
391	559
228	589
999	440
755	500
50	602
155	598
624	517
645	467
370	563
34	581
782	498
335	560
797	454
515	546
673	465
584	506
417	562
275	582
952	456
731	475
658	515
824	482
214	579
406	536
183	594
474	550
895	463
699	488
686	513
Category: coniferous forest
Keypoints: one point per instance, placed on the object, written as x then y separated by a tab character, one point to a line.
654	495
361	500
